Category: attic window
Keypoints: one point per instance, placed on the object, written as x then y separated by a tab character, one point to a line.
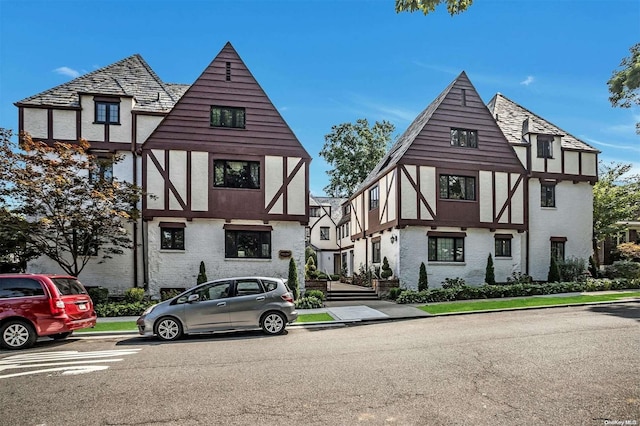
464	97
222	116
228	73
464	138
107	112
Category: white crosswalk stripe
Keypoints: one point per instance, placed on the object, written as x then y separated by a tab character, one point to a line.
67	362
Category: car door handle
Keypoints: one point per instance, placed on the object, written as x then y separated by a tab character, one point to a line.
260	298
222	304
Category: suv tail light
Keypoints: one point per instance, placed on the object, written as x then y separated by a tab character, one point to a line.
287	297
57	307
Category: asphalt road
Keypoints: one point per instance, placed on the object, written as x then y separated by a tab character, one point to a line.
570	366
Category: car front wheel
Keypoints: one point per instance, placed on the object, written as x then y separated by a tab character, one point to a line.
17	335
169	329
273	323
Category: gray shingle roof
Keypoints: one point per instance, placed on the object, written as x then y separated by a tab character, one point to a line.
334	202
510	117
131	76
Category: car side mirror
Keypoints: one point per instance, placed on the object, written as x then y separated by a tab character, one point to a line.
193	298
181	300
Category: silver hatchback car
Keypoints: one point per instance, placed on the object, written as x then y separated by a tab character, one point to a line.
221	305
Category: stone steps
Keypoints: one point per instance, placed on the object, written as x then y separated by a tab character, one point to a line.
354	295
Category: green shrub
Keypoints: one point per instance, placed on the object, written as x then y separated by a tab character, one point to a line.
453	283
321	276
310	269
554	271
490	274
134	295
308	303
394	292
623	269
169	294
318	294
423	280
120	309
202	274
593	268
386	270
292	280
519	278
98	295
362	278
309	252
572	269
334	277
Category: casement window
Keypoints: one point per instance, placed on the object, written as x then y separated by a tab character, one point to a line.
457	187
446	249
548	195
346	209
107	112
222	116
557	248
545	147
464	138
236	174
503	245
324	232
314	211
375	251
247	244
374	197
347	229
101	170
172	236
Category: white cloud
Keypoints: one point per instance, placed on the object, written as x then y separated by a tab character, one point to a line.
69	72
530	79
613	145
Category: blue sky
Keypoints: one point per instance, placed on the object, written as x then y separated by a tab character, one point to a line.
325	62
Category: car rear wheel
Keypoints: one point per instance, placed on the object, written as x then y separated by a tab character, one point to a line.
61	336
168	328
273	323
17	334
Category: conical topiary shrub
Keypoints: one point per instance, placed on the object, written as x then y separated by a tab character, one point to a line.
554	271
386	271
490	275
292	282
423	280
202	275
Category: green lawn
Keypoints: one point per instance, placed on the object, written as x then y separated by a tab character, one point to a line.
314	317
131	325
481	305
111	326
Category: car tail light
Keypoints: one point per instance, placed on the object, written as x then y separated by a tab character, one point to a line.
287	297
57	307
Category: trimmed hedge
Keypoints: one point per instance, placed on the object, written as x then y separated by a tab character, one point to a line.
308	303
514	290
120	309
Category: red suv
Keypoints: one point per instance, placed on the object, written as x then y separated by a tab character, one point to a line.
33	305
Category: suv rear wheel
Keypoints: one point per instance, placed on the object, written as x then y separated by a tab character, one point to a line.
16	334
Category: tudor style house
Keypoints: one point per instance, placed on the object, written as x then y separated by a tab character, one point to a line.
323	232
227	181
466	181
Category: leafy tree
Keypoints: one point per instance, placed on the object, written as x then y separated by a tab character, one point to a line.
554	271
629	251
71	218
616	197
490	275
202	274
354	150
292	282
386	270
624	85
427	6
14	250
423	280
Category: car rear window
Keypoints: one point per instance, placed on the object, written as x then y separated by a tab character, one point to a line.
269	285
68	286
20	287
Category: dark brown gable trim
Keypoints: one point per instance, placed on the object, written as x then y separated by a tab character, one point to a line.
503	236
230	227
168	185
172	225
107	98
446	234
283	189
418	191
558	239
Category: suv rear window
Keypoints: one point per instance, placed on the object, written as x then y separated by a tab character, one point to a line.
20	287
68	286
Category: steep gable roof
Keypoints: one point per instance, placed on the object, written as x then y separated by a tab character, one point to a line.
510	117
226	82
427	140
334	202
131	76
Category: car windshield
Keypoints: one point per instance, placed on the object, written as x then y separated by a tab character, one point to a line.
68	286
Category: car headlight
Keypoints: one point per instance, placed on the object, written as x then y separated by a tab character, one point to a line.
148	310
